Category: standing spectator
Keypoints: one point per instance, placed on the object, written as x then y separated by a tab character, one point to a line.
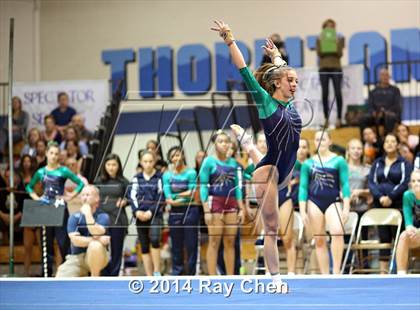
27	169
222	202
179	186
388	180
146	197
63	113
78	121
30	147
112	187
279	43
323	180
51	132
154	147
87	231
329	47
384	105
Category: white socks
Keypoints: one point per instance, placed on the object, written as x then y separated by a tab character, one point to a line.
281	286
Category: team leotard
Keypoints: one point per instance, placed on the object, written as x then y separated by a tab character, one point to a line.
282	126
324	181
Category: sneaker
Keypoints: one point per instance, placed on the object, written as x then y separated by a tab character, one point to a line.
157	274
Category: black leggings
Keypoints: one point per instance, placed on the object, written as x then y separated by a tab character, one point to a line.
336	75
386	234
149	233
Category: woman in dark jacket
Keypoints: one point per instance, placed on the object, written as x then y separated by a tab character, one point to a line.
112	187
388	180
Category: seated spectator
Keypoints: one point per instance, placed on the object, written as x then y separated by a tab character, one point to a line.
417	161
30	147
405	151
384	105
78	121
403	133
63	113
20	121
279	43
5	204
62	157
71	133
372	148
51	132
410	238
41	153
388	180
69	186
72	148
87	230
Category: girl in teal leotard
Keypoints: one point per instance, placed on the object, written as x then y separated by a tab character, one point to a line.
323	180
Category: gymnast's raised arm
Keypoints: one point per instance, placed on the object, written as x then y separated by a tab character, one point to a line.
226	33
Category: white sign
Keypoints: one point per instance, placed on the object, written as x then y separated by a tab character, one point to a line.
308	100
89	97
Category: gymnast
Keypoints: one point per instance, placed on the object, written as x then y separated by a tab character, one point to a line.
272	88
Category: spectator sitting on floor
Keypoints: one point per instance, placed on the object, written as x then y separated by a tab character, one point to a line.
87	231
51	132
63	113
78	121
384	105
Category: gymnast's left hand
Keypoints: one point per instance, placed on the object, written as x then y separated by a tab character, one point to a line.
224	31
